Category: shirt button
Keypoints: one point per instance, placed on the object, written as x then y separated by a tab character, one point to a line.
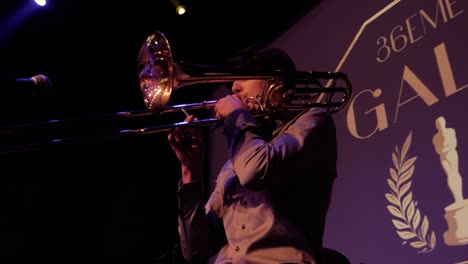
243	226
237	248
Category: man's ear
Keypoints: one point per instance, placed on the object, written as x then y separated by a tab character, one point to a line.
277	84
276	94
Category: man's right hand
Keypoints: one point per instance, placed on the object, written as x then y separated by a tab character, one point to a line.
188	143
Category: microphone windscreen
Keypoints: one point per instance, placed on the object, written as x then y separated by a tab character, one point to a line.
43	85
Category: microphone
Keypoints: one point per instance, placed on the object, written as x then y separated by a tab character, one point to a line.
35	86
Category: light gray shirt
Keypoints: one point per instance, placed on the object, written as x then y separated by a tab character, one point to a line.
271	197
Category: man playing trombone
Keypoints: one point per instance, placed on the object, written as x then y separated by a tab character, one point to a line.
271	197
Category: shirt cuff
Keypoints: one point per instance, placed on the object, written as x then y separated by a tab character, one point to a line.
190	195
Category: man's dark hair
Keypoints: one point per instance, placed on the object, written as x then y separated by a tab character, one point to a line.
262	59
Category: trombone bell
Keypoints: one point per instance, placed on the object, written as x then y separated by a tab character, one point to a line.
155	72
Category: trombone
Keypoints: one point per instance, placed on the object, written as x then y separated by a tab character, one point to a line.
159	76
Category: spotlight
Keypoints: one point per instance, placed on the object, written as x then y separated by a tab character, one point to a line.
180	10
41	2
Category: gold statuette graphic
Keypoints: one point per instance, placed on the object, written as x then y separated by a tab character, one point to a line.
456	214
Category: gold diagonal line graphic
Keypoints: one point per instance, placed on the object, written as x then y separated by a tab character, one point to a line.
364	25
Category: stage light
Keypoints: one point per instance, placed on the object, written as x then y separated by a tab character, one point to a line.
41	2
179	7
10	23
180	10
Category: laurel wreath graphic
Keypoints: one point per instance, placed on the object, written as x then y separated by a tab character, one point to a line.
411	226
